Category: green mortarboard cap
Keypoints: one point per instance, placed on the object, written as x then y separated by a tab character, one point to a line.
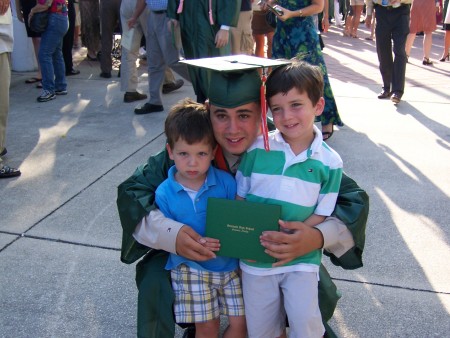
234	80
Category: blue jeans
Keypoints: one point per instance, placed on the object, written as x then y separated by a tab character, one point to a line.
50	53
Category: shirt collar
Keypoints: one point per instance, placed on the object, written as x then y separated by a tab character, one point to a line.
313	148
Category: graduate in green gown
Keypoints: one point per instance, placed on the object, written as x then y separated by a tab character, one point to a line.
235	110
204	28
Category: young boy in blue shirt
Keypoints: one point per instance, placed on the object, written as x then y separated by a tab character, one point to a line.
302	174
203	290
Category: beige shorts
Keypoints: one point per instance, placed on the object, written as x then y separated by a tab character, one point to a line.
269	298
356	2
202	296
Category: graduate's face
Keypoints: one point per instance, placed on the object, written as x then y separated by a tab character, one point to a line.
235	129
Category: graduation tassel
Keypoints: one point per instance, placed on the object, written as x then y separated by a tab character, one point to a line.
211	20
264	129
180	7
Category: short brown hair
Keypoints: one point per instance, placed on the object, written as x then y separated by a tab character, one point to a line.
190	121
299	74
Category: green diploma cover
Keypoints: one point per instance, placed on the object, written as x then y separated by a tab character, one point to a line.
239	224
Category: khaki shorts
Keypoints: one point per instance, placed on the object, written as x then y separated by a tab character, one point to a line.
269	298
202	296
356	2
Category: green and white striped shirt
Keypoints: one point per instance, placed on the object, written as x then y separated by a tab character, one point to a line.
304	184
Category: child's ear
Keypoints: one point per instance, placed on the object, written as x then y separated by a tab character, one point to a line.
169	150
214	150
319	107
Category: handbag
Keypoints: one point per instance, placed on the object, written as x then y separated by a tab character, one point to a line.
39	22
271	19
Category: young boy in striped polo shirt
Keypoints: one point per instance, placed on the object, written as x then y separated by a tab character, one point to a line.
302	174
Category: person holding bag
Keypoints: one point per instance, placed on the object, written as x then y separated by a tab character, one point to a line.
50	52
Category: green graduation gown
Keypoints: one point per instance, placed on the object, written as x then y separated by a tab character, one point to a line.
155	298
198	34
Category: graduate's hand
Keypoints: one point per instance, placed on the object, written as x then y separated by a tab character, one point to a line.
222	38
286	246
210	243
172	24
188	244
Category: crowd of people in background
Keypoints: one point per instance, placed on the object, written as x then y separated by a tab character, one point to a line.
244	30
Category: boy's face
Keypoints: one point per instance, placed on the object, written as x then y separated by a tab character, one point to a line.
192	160
294	114
235	129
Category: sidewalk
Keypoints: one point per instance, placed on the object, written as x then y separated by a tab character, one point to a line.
60	233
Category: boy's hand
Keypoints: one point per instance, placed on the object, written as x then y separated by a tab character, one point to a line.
188	245
287	246
210	243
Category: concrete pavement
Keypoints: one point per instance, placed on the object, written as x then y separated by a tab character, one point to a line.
59	230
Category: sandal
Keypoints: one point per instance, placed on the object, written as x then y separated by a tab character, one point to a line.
33	80
7	172
326	135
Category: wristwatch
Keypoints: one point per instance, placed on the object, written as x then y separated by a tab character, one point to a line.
300	12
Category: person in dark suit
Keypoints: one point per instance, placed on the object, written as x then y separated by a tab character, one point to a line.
391	32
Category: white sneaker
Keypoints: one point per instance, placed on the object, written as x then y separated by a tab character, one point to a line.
46	96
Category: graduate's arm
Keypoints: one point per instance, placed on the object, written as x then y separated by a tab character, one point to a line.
162	233
135	200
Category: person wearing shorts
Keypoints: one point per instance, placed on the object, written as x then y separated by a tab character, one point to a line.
23	11
262	32
203	290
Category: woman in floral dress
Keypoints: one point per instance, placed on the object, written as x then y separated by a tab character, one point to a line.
296	36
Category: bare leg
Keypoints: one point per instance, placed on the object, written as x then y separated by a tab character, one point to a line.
427	42
36	44
446	45
409	43
237	327
208	329
259	44
357	10
348	26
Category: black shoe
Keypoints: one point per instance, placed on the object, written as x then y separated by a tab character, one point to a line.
4	152
396	97
148	108
133	96
384	94
105	75
90	58
170	87
61	92
189	332
7	172
72	72
426	61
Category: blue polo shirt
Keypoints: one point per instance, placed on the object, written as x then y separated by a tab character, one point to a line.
175	203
